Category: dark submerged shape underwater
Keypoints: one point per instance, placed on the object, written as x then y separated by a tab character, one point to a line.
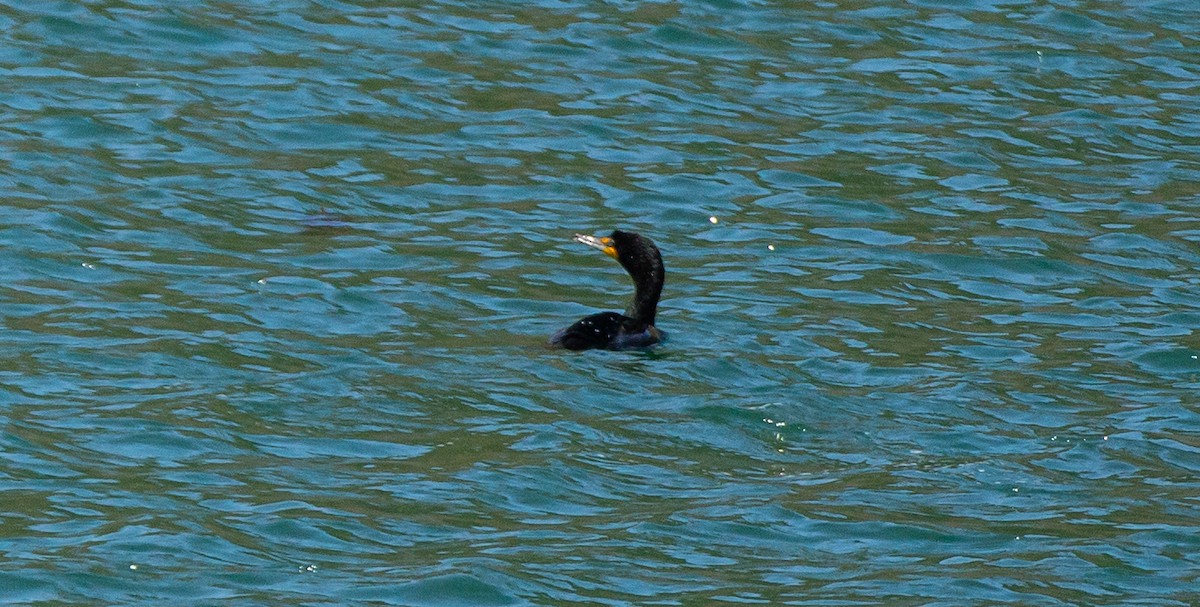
635	328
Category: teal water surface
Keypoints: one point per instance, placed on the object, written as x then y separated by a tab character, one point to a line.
279	277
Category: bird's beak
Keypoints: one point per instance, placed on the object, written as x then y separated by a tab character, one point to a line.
604	244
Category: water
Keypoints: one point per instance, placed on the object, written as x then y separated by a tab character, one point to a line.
279	276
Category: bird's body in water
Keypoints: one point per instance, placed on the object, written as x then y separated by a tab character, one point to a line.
635	328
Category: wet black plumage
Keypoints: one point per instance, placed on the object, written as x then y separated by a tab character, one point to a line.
635	328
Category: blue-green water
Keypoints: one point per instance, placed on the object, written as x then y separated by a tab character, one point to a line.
278	277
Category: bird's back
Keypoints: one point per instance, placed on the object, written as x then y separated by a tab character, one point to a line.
606	330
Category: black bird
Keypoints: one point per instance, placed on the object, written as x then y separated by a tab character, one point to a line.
635	328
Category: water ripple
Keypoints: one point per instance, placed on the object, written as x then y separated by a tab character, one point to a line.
280	277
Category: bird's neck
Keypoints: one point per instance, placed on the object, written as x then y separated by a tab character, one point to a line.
646	290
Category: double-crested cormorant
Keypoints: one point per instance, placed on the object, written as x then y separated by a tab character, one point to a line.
635	328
